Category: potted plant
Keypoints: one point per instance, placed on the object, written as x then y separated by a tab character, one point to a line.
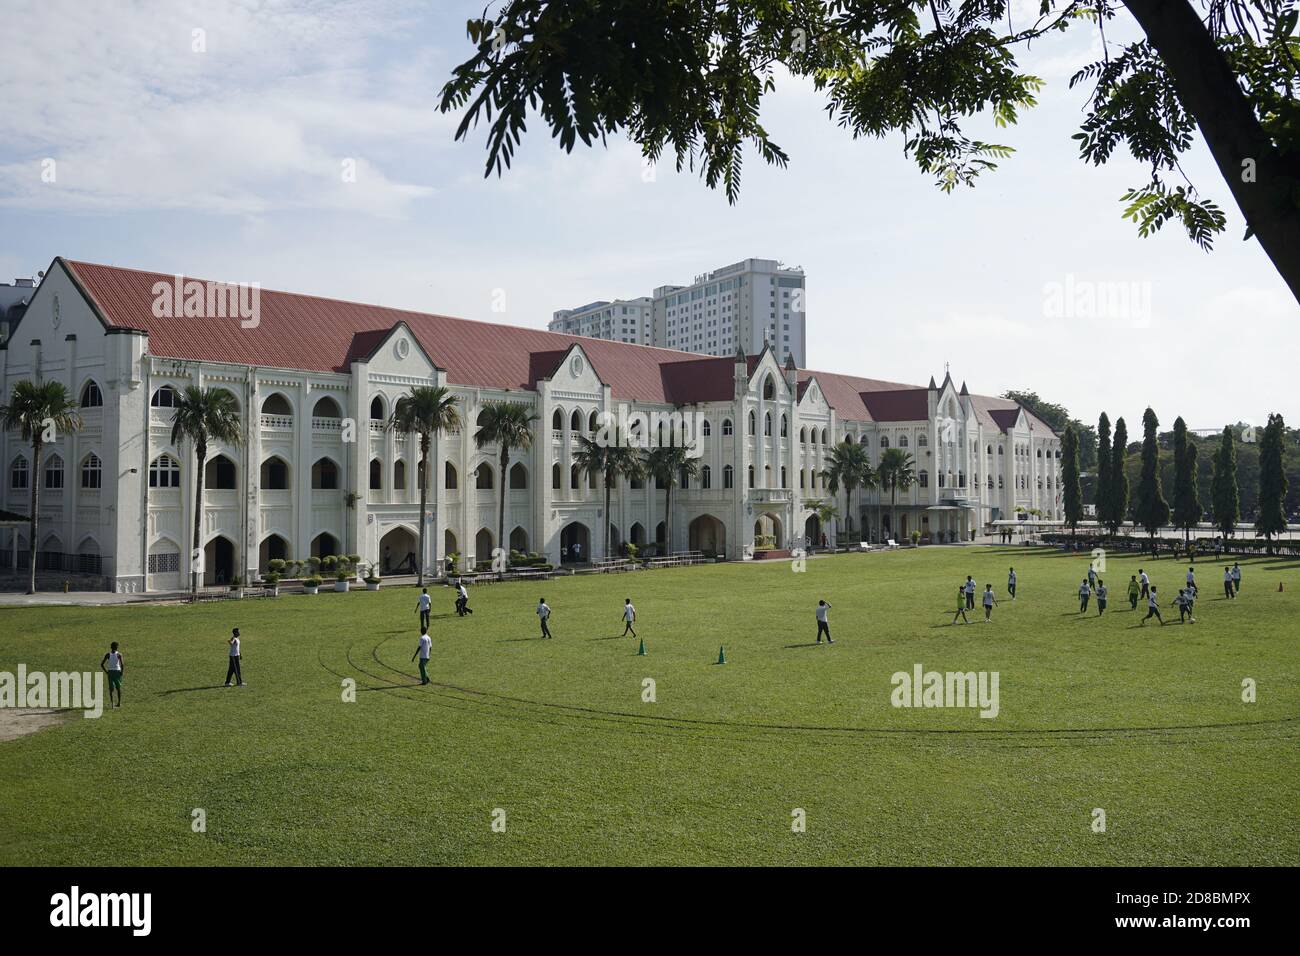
341	581
312	584
372	579
916	538
271	581
354	560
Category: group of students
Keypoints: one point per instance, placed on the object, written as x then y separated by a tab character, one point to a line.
1140	588
966	597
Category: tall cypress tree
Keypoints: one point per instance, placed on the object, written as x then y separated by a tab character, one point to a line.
1187	500
1117	503
1101	492
1223	486
1272	482
1151	510
1073	491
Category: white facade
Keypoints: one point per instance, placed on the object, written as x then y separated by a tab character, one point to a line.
316	473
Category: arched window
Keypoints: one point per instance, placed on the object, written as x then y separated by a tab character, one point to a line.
575	422
863	441
518	477
277	404
399	475
92	472
785	433
594	422
783	476
1040	453
728	477
575	480
803	436
164	472
377	409
923	478
326	408
941	481
726	427
961	479
884	441
824	433
54	473
706	478
706	429
683	480
999	482
767	424
999	449
769	388
376	474
922	442
483	477
274	474
753	424
219	474
990	482
450	477
19	474
751	476
91	396
164	397
557	421
557	477
902	441
325	475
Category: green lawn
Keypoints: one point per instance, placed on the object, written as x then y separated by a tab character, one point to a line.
1146	723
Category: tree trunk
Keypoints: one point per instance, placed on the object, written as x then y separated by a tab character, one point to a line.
501	512
31	541
1212	94
608	520
424	501
201	456
668	519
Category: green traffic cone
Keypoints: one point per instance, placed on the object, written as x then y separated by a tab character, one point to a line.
722	655
641	651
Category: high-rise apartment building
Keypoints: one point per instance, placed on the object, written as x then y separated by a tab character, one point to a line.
623	320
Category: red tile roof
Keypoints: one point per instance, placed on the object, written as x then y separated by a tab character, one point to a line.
311	333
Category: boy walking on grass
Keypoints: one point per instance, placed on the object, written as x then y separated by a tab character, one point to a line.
1085	591
970	592
422	649
1011	583
1145	581
1236	578
1134	590
233	669
544	615
961	605
112	665
823	625
1228	589
629	618
989	601
1102	591
423	605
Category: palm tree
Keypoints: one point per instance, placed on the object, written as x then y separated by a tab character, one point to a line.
666	464
509	425
427	411
826	511
849	467
896	470
613	461
203	415
39	412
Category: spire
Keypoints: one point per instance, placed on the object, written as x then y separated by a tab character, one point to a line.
789	362
964	392
933	387
740	354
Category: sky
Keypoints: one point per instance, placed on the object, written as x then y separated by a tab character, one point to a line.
299	145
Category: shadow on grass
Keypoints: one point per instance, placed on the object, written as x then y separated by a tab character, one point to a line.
190	690
809	644
516	640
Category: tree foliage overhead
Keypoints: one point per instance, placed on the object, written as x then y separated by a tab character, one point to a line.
686	79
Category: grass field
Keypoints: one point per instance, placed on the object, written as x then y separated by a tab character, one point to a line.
1145	723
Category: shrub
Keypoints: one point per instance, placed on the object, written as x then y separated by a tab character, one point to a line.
272	578
236	581
314	563
277	565
329	562
313	582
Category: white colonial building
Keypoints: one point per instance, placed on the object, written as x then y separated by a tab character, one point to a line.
316	473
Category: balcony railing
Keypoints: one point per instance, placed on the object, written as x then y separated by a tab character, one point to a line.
327	424
280	422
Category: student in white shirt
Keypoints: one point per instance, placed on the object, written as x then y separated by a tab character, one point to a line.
1145	581
629	618
989	601
462	600
970	592
233	669
823	625
1236	578
112	665
422	649
544	615
1229	590
1085	592
1011	583
1153	608
1102	592
423	605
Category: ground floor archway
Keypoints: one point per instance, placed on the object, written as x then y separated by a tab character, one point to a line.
519	540
324	545
708	534
483	545
399	550
273	548
575	543
218	561
812	531
767	532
